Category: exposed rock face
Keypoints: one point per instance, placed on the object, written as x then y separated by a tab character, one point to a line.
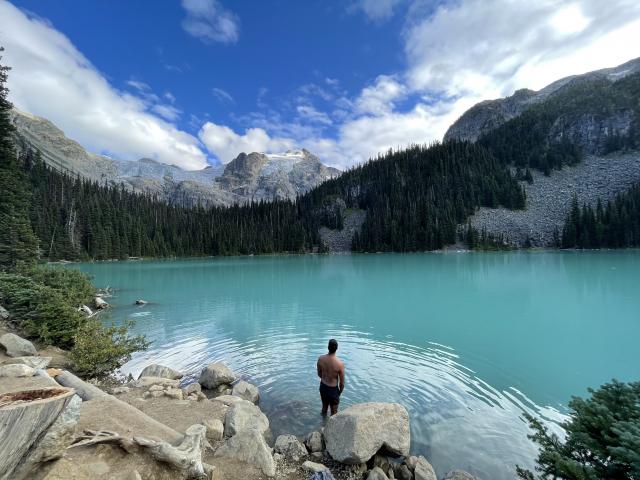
290	447
249	446
340	240
549	198
215	375
253	176
246	391
4	314
155	370
17	346
357	433
490	114
424	470
244	416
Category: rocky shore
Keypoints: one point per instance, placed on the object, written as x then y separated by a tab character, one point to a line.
54	426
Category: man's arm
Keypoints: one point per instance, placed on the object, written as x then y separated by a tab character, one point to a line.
341	373
319	368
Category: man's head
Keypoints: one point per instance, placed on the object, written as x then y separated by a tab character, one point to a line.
333	345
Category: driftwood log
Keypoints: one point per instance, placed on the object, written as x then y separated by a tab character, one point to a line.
35	426
186	457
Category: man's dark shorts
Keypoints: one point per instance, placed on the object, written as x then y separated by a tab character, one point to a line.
329	395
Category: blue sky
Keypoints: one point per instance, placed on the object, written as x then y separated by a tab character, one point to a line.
192	82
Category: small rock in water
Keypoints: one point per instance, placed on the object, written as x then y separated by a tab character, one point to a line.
424	470
17	346
99	303
141	302
247	391
155	370
458	475
216	375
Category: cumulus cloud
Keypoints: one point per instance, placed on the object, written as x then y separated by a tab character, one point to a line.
51	78
227	144
210	22
380	98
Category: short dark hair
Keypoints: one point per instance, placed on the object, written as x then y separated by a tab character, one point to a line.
333	345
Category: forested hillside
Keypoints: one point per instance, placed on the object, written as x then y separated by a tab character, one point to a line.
416	198
597	116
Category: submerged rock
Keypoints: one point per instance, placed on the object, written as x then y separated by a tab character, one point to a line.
247	391
290	447
156	370
17	346
250	447
215	375
357	433
458	475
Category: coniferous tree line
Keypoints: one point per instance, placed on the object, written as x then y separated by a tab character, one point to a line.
614	225
76	218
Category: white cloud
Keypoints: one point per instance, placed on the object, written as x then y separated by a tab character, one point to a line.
227	144
309	113
380	98
51	78
210	22
222	95
168	112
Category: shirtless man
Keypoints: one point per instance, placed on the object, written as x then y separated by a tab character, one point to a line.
331	373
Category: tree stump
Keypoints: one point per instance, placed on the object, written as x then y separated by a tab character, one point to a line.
35	426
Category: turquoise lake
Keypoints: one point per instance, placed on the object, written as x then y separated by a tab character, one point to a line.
466	341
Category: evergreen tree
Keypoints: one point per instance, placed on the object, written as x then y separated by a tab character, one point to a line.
18	243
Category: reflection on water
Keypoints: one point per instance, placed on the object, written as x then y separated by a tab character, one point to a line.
467	342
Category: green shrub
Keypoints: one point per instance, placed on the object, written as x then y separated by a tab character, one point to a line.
73	285
100	349
41	312
603	438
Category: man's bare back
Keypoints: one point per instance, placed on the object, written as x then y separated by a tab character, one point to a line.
331	373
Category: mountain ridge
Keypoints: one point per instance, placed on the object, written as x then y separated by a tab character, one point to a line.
213	185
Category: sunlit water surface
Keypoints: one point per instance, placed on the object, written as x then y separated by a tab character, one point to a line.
467	342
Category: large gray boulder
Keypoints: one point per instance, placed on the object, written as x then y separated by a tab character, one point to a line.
424	470
290	447
17	346
215	375
458	475
155	370
146	382
246	391
357	433
244	416
33	362
250	447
